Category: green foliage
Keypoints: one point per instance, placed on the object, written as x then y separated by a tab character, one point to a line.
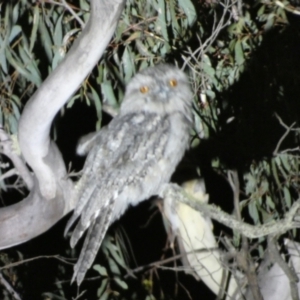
33	40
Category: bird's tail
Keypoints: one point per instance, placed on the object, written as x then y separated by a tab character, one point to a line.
92	243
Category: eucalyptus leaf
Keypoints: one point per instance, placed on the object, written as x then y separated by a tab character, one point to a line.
46	40
58	57
253	212
3	61
173	17
100	269
58	31
104	296
113	266
287	197
102	288
15	31
108	94
85	6
270	202
189	10
72	100
239	53
284	157
98	106
27	61
15	13
35	26
270	22
120	283
13	123
21	69
128	65
117	255
161	22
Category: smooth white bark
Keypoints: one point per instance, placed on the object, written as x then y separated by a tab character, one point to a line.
51	196
39	112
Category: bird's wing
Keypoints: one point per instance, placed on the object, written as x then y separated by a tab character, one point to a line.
125	151
86	184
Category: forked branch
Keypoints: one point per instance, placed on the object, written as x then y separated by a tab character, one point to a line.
51	192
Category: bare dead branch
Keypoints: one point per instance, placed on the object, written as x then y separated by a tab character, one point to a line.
288	129
72	12
69	8
198	54
34	214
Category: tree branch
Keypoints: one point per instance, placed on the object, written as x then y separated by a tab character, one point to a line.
39	112
9	288
34	215
6	148
214	212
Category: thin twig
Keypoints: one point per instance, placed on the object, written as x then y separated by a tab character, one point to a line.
166	261
289	150
288	7
69	8
17	263
9	288
8	174
215	32
6	148
288	129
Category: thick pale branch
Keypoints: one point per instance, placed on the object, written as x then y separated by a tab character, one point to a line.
37	117
31	217
34	215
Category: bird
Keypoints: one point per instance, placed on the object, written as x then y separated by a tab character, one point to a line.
133	157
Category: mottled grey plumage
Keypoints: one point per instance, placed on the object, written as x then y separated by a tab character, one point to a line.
131	158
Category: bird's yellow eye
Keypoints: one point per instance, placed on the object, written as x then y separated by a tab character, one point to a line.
173	82
144	89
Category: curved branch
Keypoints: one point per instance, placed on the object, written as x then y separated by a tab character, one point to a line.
31	217
34	214
39	112
6	146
